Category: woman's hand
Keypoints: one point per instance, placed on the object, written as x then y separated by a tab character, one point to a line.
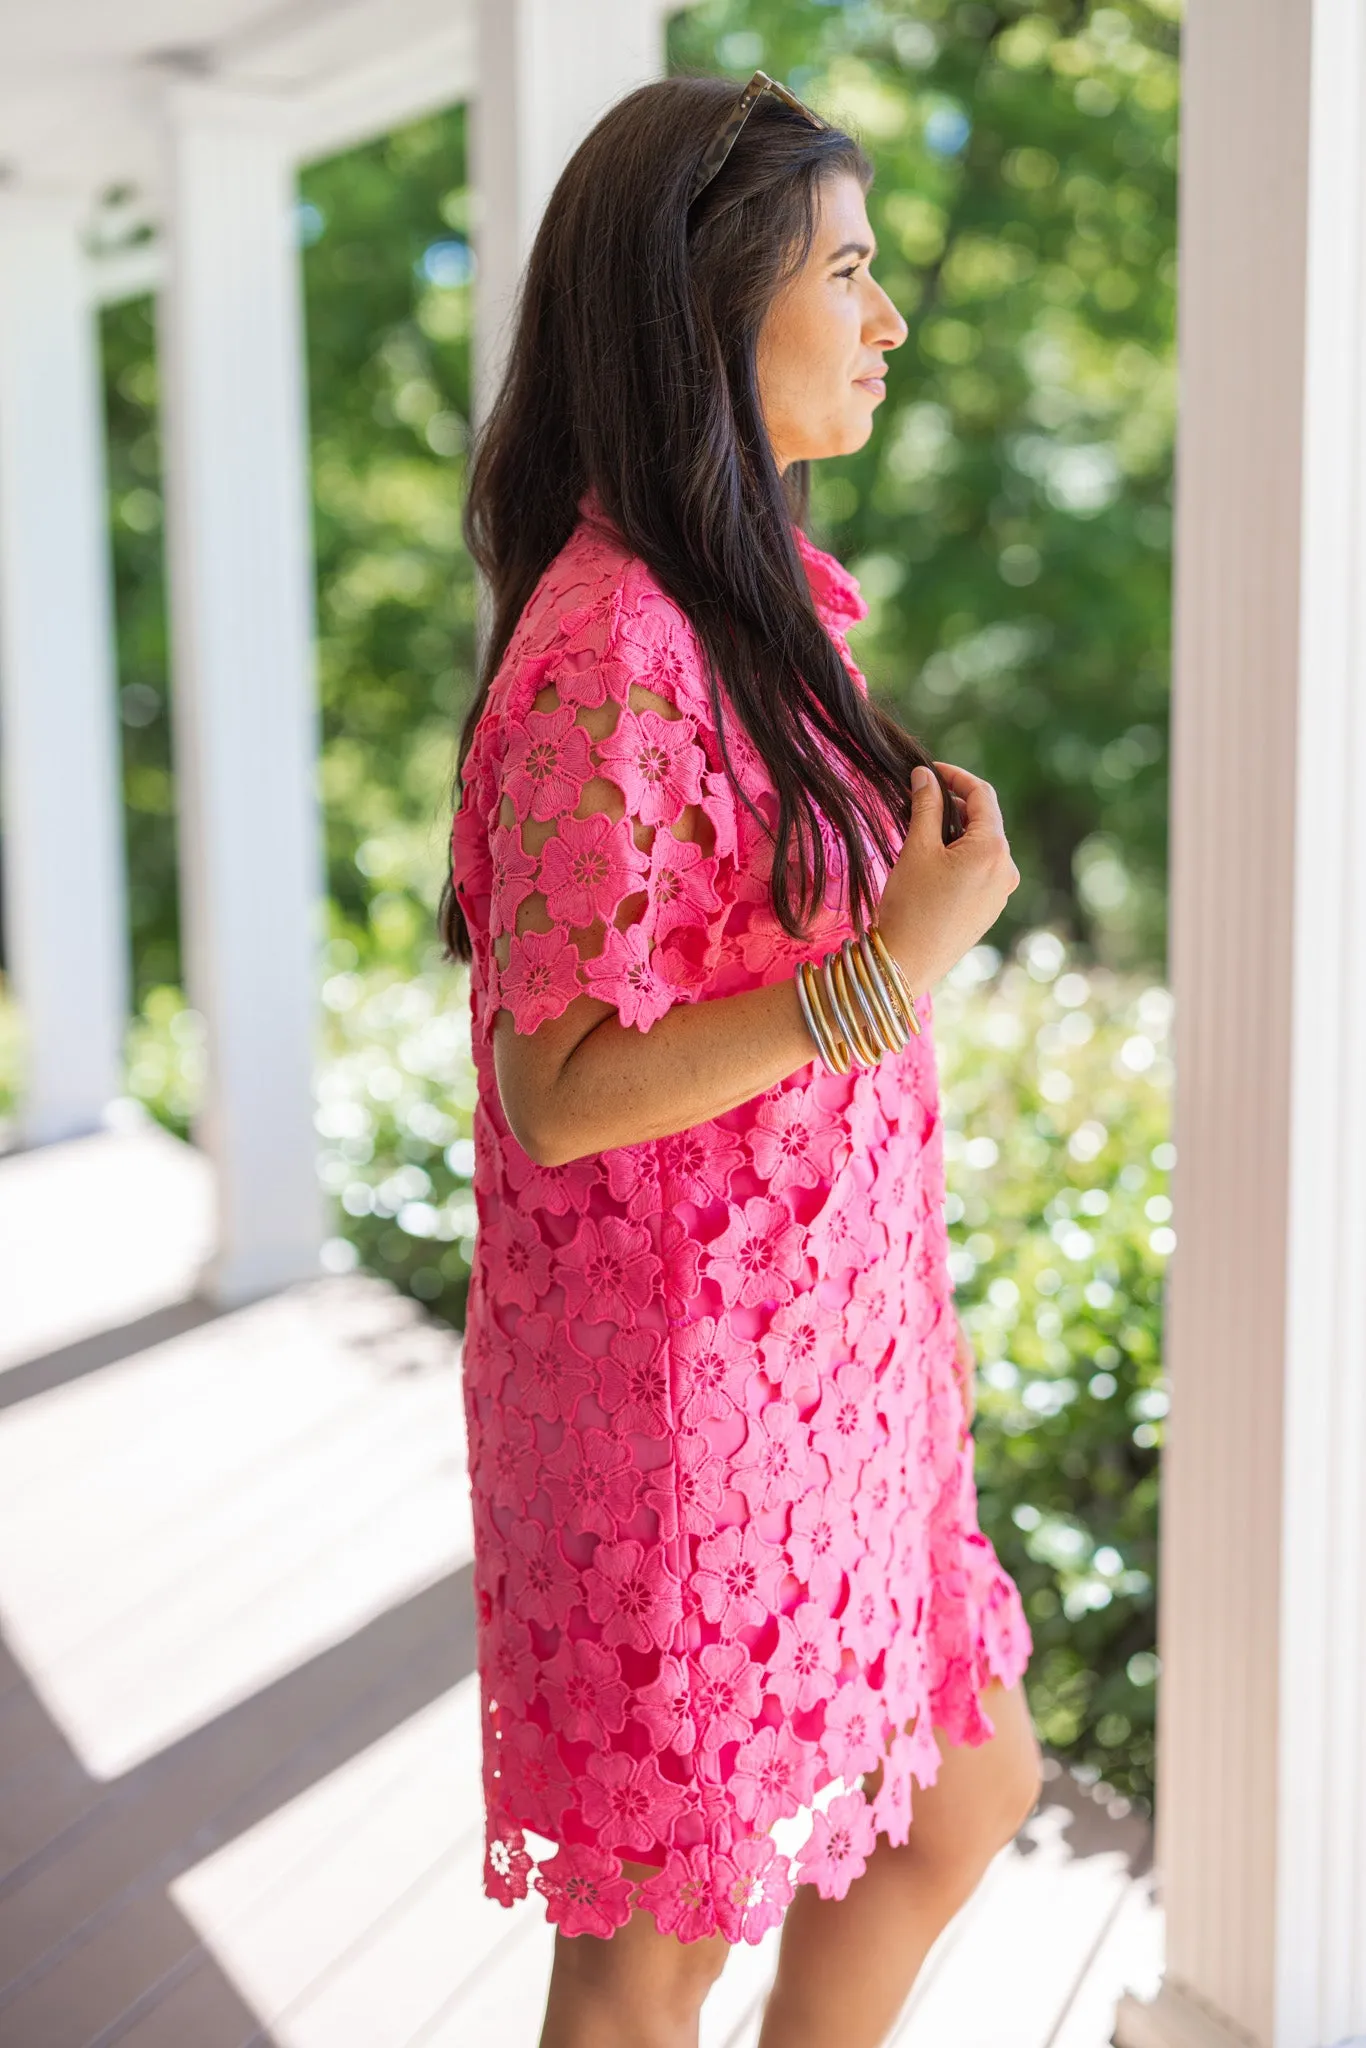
965	1362
938	899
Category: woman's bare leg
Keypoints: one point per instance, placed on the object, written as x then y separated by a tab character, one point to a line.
846	1965
639	1989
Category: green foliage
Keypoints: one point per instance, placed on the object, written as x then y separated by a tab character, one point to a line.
387	271
1010	518
387	300
11	1065
135	523
395	1101
1056	1081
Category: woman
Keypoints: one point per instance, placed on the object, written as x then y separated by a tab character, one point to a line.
726	1534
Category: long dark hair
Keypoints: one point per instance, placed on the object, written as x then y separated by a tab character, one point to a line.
632	373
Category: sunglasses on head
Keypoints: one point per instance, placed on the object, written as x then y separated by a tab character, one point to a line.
720	149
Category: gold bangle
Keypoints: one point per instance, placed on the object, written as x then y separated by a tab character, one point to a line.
835	1014
868	1054
891	1024
837	1053
815	1022
818	983
870	1023
898	978
886	995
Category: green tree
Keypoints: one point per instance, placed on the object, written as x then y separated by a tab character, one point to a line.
387	272
1010	518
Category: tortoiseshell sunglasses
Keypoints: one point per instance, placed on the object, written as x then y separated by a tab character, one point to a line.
725	142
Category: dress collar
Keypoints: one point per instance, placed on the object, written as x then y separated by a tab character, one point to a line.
836	593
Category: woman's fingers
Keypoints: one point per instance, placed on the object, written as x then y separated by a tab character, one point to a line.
979	799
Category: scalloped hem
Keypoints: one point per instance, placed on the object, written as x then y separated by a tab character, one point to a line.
739	1886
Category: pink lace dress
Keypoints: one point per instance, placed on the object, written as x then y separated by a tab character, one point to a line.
727	1549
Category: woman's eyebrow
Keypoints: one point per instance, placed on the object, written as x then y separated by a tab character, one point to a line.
851	249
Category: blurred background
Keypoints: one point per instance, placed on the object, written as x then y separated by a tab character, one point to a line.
1010	523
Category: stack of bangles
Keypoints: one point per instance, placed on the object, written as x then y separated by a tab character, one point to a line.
857	1004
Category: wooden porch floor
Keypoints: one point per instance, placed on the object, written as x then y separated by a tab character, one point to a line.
239	1799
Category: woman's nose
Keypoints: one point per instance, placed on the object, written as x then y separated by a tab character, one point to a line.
885	328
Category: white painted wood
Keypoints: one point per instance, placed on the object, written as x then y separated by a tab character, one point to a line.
547	69
182	1527
1262	1818
245	696
1128	1958
1038	1920
1321	1803
64	898
1174	2020
96	1233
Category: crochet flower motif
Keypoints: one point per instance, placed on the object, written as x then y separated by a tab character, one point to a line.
791	1148
624	973
703	1363
584	1892
773	1776
682	884
541	977
680	1895
777	1458
587	868
541	1585
725	1693
758	1254
513	874
629	1800
839	1845
752	1889
607	1270
665	1707
524	1259
634	1381
813	1547
633	1594
726	1547
584	1687
592	1482
795	1348
802	1669
737	1577
655	763
547	762
852	1738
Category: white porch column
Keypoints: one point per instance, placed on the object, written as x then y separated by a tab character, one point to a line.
1262	1732
65	915
245	694
546	70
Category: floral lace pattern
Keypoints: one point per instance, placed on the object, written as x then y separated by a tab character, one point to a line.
727	1548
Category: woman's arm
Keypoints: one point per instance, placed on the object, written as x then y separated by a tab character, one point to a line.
583	1082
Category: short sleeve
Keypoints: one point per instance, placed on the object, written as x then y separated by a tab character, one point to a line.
607	827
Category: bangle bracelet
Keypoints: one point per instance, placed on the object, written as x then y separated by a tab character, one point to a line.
815	1023
891	1024
869	1051
899	981
835	1013
857	1005
869	1023
833	1051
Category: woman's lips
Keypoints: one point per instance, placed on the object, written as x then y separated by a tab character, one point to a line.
877	385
